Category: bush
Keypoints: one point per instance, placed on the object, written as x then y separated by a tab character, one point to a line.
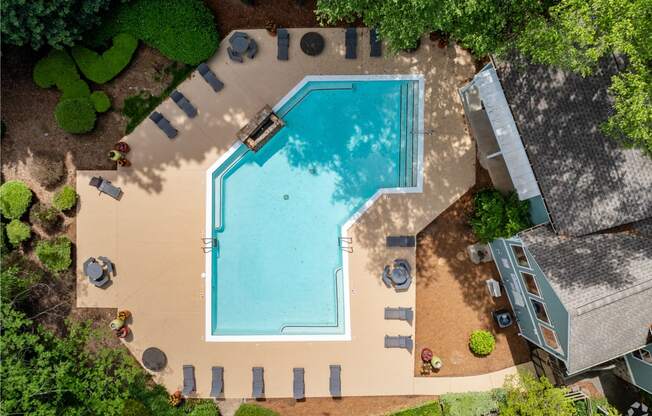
482	342
205	408
471	404
101	101
182	30
105	67
44	216
497	216
75	115
15	198
17	232
430	409
65	198
526	395
46	169
135	408
254	410
57	69
55	254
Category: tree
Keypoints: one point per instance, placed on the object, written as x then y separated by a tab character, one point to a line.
526	395
578	34
57	23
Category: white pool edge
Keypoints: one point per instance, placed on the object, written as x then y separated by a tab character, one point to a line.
207	275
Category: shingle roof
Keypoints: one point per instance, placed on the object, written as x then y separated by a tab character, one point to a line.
605	283
589	181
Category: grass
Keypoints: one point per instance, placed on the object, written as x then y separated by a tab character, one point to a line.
429	409
137	107
254	410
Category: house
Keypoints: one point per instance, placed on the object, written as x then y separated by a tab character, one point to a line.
580	280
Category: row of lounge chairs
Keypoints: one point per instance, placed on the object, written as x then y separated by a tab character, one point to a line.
403	314
258	382
350	42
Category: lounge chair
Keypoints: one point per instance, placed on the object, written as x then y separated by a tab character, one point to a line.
108	263
188	380
335	382
298	386
283	43
376	46
217	384
399	341
233	55
163	124
105	186
401	241
253	49
183	103
351	42
385	277
401	314
403	263
210	77
258	385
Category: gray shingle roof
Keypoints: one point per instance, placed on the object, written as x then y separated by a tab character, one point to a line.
605	283
589	181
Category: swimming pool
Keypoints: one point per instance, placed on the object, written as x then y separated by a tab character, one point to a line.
280	215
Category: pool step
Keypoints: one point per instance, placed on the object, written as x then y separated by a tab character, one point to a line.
408	153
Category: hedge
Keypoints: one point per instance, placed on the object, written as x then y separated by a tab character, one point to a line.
17	232
56	69
254	410
75	115
101	101
65	198
55	254
482	342
102	68
15	198
182	30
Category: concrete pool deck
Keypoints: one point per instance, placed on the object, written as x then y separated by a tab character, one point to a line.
153	234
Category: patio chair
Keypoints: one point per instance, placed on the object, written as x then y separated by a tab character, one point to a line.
298	386
217	384
210	77
351	43
403	263
401	241
399	341
283	43
101	282
405	285
86	263
253	49
163	124
108	263
183	103
233	55
188	380
258	385
105	186
385	277
335	382
401	314
376	46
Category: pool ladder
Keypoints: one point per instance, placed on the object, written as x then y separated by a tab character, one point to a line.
345	244
209	244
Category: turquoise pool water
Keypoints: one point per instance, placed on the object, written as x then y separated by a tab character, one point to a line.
278	213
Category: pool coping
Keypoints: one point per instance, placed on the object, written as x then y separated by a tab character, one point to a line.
207	275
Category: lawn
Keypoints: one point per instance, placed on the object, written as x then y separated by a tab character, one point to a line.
430	409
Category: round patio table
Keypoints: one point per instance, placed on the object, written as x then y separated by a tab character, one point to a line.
240	44
312	43
154	359
399	275
94	271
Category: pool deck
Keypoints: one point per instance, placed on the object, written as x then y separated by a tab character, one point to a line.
153	234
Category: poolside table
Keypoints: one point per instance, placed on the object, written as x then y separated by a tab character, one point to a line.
240	44
94	271
312	43
399	275
154	359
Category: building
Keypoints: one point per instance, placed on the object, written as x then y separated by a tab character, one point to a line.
580	280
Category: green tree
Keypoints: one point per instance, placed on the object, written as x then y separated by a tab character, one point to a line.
57	23
15	198
496	216
577	34
526	395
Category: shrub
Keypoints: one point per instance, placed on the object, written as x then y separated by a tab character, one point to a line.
55	254
471	404
205	408
57	69
182	30
44	216
101	101
75	115
526	395
482	342
254	410
429	409
15	198
65	198
102	68
497	216
46	169
17	232
135	408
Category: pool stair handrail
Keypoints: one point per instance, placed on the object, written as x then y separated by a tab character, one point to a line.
345	244
209	244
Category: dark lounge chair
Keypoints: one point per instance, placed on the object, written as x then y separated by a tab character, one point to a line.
401	241
298	385
210	77
188	380
163	124
233	55
217	384
335	382
253	49
283	42
399	341
401	314
183	103
105	186
351	42
258	384
376	46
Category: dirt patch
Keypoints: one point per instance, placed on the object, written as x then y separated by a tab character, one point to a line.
347	406
452	299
